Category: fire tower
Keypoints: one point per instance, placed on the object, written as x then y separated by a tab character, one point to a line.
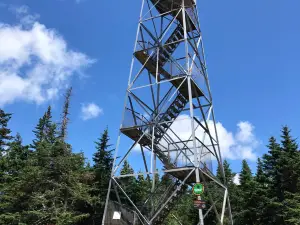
168	132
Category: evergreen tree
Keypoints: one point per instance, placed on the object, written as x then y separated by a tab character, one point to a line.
245	176
128	183
103	162
49	184
65	114
56	177
17	156
184	211
5	137
260	177
260	196
234	192
229	175
217	193
13	199
290	180
273	170
290	162
143	189
247	185
43	129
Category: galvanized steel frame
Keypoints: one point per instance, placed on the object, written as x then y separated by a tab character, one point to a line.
208	115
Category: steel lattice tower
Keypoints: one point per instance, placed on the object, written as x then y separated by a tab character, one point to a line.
168	129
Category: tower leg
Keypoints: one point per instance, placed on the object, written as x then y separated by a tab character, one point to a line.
106	202
199	198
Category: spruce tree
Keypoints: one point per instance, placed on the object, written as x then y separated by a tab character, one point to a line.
56	177
247	204
45	138
17	159
43	129
272	165
103	162
143	189
65	114
290	181
290	162
234	193
5	137
128	183
229	175
17	155
245	176
260	195
217	193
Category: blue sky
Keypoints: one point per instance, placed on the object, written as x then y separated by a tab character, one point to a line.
252	51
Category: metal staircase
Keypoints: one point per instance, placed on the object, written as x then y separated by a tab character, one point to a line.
164	120
161	214
172	7
167	49
165	203
150	62
168	79
170	46
144	136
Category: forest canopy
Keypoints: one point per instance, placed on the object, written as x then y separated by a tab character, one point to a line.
47	183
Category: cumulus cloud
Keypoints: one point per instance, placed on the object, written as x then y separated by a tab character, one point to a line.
35	61
241	145
236	179
238	145
90	111
245	133
22	13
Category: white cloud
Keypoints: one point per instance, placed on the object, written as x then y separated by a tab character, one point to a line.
236	179
90	111
35	61
238	145
241	145
245	132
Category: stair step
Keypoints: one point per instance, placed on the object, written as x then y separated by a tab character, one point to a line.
165	125
161	58
167	117
169	48
171	114
182	99
179	104
179	36
174	109
173	46
165	53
